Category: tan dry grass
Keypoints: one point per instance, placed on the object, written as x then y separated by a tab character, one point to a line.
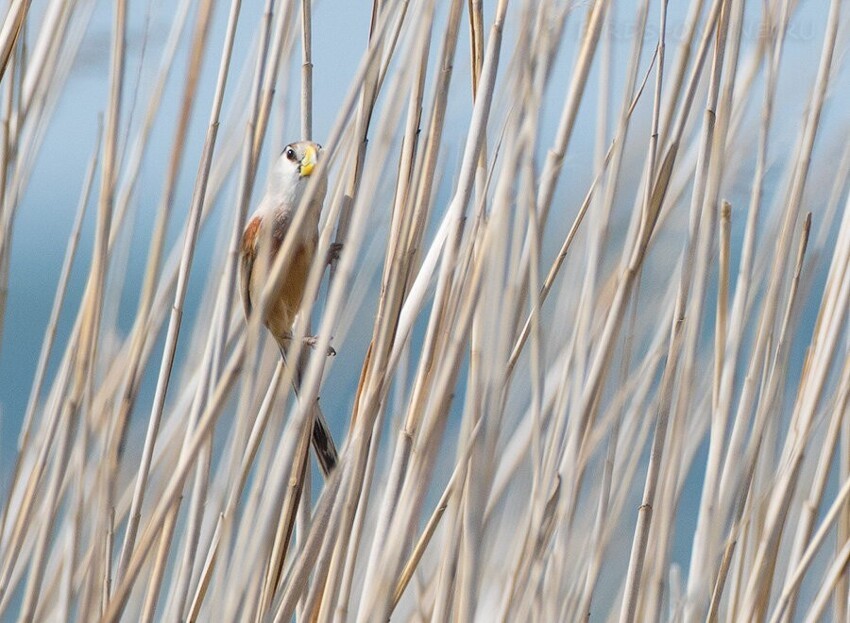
532	339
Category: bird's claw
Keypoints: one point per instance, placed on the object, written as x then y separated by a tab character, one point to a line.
333	252
312	340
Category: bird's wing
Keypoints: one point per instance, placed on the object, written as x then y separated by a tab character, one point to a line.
249	253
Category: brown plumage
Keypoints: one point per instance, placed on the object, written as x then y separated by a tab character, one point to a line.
267	228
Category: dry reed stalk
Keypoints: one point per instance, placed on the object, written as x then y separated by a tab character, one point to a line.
744	279
366	104
758	589
50	331
12	25
397	288
163	507
722	298
389	304
152	270
180	294
456	208
633	583
84	362
498	432
806	520
306	70
198	47
705	543
7	207
224	301
313	372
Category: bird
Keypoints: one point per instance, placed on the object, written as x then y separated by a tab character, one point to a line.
262	238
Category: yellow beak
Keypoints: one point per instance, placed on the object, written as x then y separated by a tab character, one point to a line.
308	162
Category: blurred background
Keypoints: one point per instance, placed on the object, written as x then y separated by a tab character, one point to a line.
68	136
50	197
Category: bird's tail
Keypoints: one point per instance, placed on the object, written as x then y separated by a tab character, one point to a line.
323	441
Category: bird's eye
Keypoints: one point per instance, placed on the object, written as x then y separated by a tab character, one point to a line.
290	154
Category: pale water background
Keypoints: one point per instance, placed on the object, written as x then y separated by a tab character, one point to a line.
340	29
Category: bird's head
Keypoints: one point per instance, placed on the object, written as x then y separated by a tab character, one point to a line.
293	169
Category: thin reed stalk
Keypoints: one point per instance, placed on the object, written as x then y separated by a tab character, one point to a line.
590	306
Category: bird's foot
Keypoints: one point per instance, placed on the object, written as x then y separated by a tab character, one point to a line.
312	340
333	252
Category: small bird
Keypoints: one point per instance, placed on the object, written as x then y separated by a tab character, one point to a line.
263	236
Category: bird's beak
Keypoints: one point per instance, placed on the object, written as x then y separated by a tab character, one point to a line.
308	162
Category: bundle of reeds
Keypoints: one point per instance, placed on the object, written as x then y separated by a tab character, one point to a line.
591	314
